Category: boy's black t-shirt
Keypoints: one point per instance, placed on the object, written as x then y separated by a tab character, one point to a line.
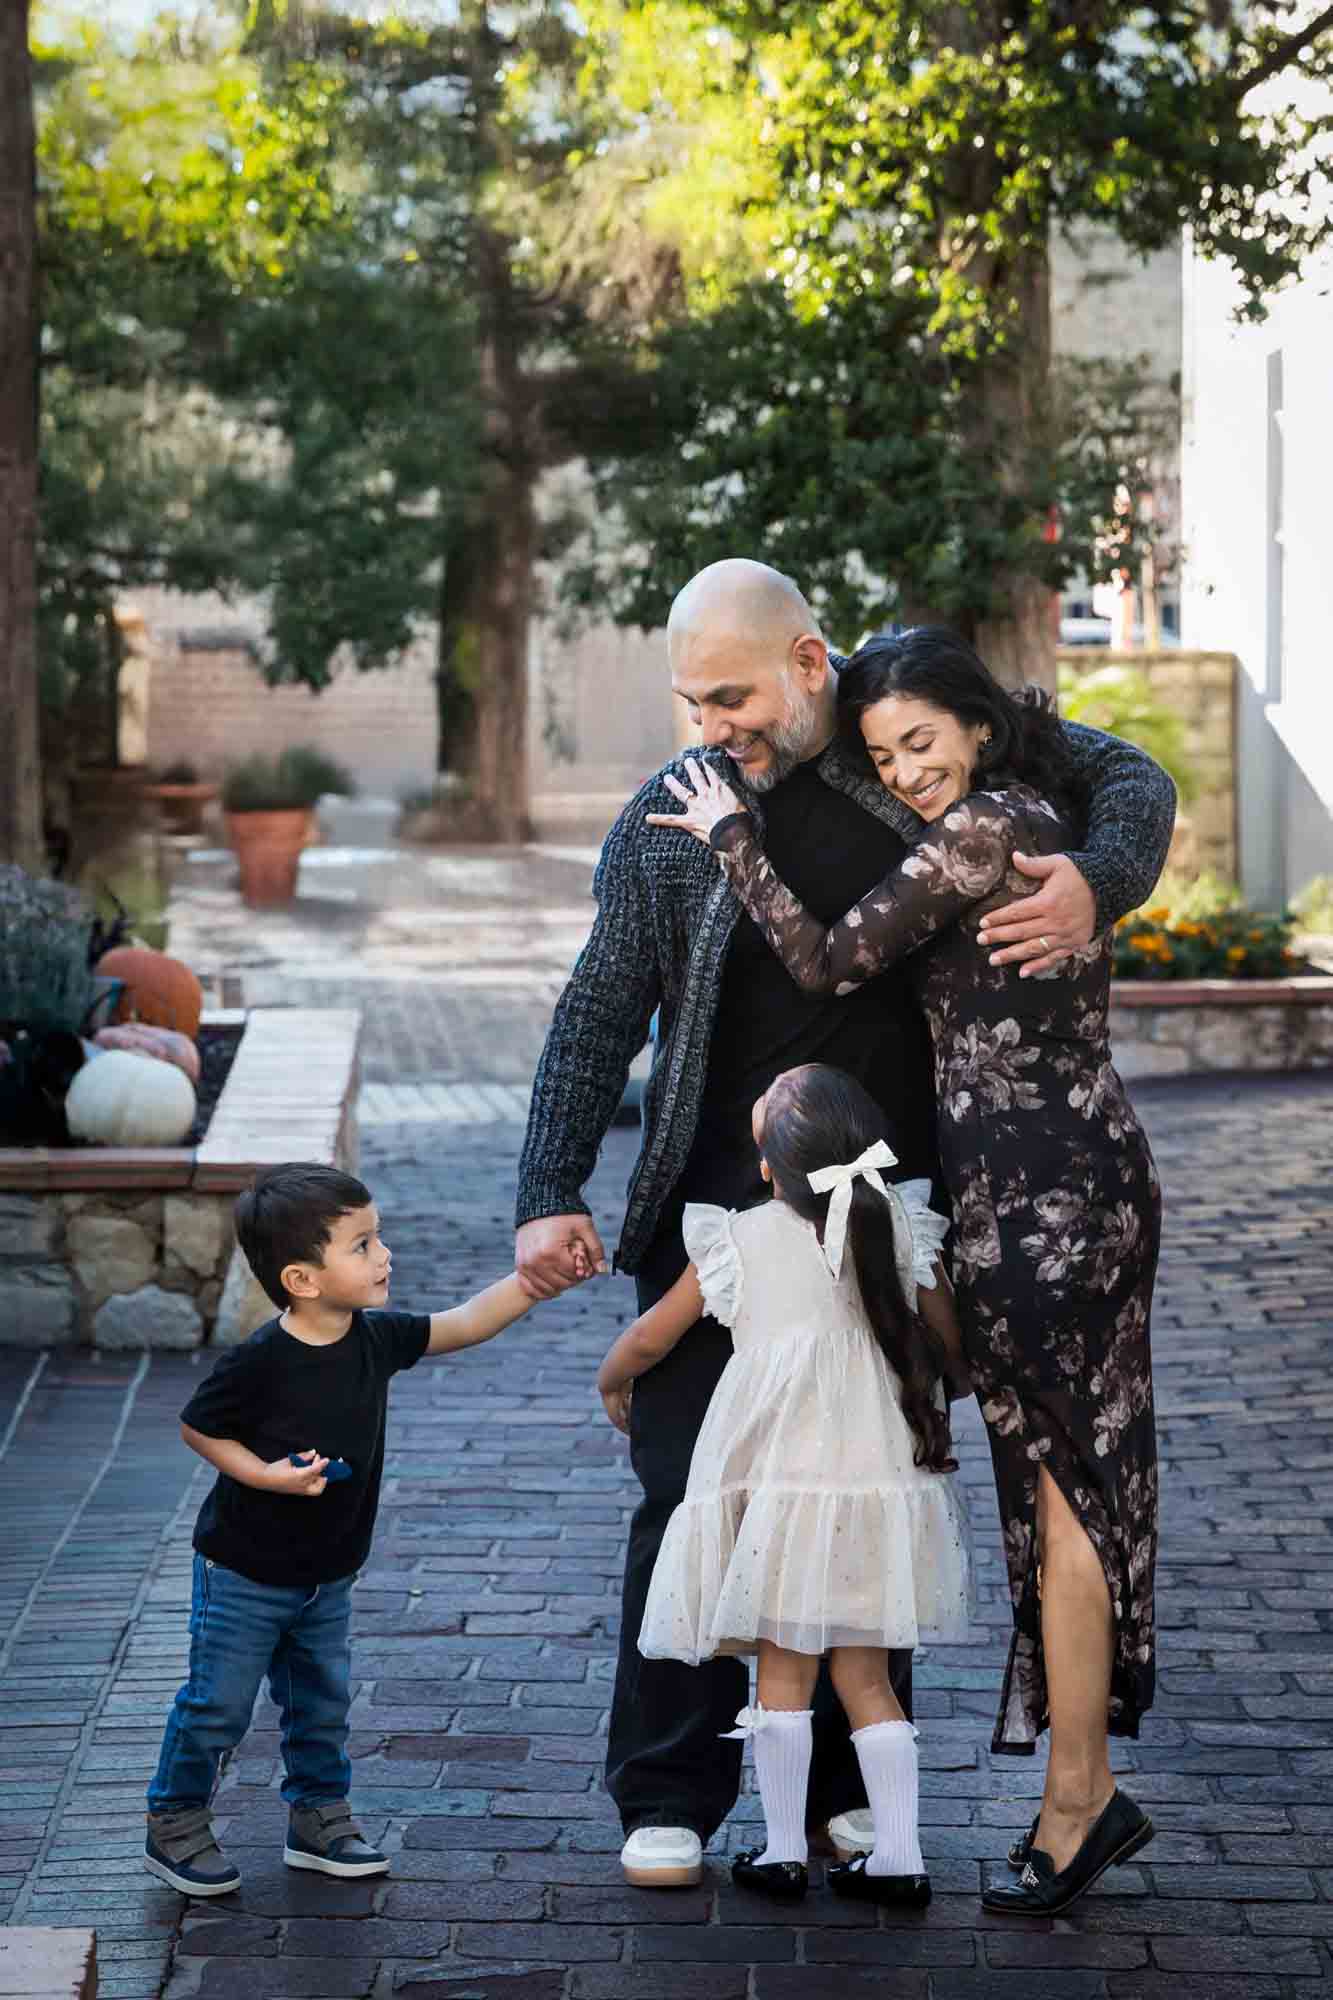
276	1394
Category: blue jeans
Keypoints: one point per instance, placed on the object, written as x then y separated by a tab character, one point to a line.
240	1631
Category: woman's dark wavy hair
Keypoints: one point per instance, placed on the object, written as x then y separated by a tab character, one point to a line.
818	1116
930	663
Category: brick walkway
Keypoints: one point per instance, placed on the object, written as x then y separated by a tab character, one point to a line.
486	1624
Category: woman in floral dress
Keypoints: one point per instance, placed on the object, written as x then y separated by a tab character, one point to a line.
1056	1206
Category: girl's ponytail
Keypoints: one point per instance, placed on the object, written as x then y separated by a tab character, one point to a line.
911	1348
817	1116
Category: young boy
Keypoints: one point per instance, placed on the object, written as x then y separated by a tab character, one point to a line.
280	1537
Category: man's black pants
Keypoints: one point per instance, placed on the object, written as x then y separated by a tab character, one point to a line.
666	1764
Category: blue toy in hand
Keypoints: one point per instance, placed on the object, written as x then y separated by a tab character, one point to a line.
337	1468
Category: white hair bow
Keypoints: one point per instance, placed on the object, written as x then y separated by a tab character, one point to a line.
840	1180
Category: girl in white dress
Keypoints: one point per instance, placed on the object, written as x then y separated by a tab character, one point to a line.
819	1517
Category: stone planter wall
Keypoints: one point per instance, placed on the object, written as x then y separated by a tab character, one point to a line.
1175	1028
1201	689
113	1248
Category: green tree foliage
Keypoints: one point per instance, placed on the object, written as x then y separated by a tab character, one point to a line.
836	448
172	196
907	163
333	367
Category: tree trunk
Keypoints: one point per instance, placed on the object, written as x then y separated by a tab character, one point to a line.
20	760
1019	635
1010	398
483	666
490	583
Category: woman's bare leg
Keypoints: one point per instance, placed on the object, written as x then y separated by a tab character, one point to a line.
1078	1637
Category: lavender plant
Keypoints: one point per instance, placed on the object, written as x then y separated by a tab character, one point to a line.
45	932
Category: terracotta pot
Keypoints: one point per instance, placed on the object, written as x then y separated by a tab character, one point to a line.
182	805
268	847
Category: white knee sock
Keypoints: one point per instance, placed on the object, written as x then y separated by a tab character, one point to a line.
886	1752
782	1748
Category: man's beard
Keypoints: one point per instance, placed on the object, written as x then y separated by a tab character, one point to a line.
790	741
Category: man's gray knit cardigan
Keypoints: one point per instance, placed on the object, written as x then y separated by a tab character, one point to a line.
664	920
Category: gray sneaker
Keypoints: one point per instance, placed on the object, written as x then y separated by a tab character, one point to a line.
326	1838
181	1851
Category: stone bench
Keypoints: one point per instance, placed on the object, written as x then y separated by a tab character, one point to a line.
48	1965
128	1248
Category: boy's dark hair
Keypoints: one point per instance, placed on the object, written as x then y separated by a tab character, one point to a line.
818	1116
286	1216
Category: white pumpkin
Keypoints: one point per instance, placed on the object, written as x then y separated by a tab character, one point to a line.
120	1099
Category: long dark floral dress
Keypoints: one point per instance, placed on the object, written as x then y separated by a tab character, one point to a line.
1056	1204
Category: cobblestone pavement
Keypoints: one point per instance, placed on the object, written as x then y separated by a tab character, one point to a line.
436	946
485	1626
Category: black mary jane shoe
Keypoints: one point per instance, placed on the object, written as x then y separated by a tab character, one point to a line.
1043	1891
850	1879
784	1881
1021	1848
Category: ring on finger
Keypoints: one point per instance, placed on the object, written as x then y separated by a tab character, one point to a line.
1045	943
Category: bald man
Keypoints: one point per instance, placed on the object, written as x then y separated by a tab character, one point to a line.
750	663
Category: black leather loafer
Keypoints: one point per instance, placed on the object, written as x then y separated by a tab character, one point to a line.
851	1880
1042	1891
785	1881
1022	1847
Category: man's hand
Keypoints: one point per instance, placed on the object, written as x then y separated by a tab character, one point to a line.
616	1404
555	1252
1037	932
300	1482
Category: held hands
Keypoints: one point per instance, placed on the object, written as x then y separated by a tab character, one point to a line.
711	800
1038	932
555	1252
299	1482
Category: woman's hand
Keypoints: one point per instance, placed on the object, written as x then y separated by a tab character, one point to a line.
710	801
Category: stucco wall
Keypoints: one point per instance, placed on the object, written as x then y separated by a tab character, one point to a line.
1257	576
600	718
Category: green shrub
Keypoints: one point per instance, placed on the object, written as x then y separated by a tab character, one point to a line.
266	784
45	933
318	773
296	778
1314	906
1120	700
1194	896
1234	943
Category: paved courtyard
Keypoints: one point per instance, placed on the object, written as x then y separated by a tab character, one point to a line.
486	1621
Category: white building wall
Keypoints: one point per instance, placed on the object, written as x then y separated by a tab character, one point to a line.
1257	568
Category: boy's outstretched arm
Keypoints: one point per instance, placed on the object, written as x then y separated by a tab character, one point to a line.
481	1317
646	1341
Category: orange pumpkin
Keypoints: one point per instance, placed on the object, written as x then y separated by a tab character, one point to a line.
158	989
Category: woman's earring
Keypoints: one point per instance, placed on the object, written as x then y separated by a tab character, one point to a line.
764	1171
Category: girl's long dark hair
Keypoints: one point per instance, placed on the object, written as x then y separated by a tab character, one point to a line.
930	663
818	1116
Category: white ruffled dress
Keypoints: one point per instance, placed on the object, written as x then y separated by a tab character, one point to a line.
805	1520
